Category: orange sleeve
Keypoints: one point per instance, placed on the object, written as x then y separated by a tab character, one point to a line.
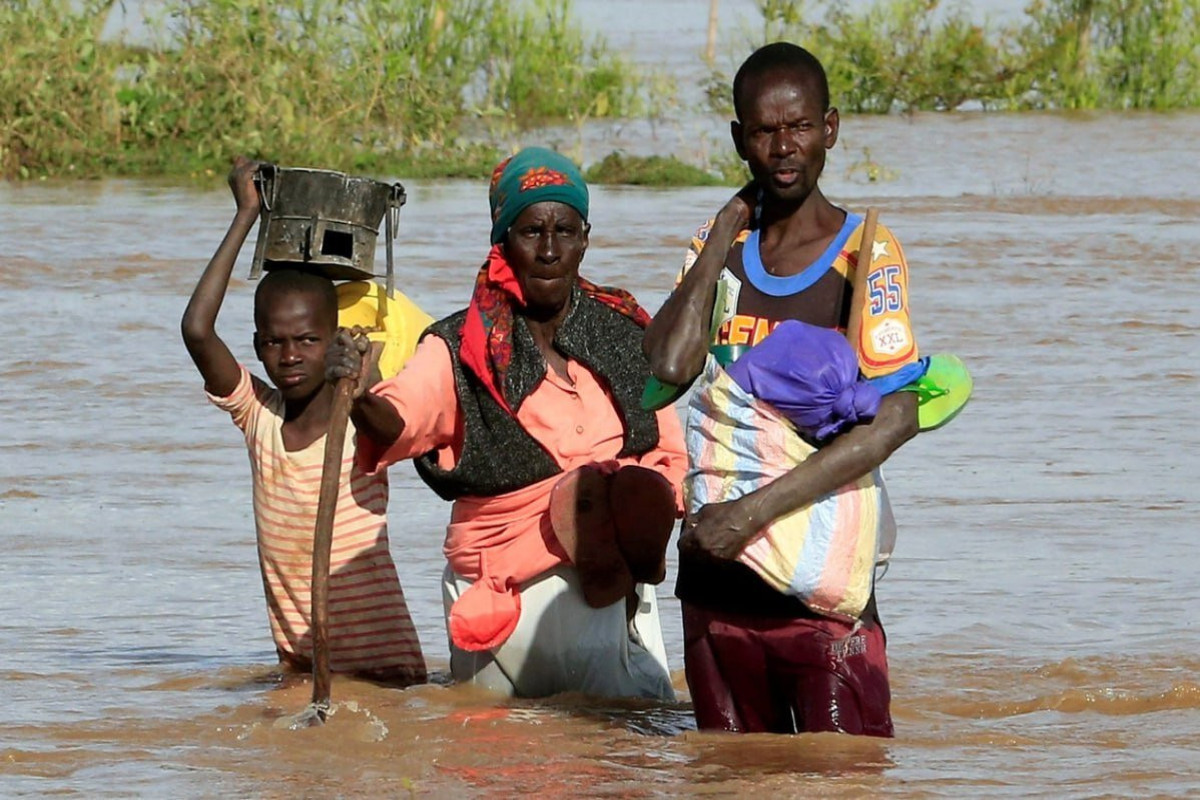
886	342
696	245
423	395
248	397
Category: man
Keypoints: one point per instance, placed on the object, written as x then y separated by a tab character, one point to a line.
760	659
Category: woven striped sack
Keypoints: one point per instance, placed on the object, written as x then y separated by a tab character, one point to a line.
825	553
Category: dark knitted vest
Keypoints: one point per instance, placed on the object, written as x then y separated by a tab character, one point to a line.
498	456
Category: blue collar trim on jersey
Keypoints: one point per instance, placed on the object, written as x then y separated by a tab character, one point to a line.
775	286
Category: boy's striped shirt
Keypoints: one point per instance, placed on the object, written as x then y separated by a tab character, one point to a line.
370	629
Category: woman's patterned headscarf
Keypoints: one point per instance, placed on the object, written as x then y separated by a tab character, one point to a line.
533	175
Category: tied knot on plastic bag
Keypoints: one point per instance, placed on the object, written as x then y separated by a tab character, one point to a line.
858	402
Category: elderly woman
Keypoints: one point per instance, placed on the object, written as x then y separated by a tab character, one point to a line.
524	410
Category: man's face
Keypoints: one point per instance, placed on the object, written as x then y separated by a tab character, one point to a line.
292	335
544	247
784	133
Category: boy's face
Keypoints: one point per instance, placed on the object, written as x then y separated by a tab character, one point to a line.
293	332
783	134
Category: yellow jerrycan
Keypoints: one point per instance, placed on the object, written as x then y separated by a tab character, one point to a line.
396	320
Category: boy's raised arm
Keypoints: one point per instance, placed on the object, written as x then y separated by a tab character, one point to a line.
676	341
212	357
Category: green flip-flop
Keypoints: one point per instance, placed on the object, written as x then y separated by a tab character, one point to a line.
942	392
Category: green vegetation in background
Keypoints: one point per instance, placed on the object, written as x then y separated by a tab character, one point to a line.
415	87
1113	53
439	88
910	55
541	69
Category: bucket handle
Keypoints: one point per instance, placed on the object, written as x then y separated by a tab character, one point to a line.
264	182
396	199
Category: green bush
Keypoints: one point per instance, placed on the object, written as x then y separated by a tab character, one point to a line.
360	84
1114	53
54	97
908	55
440	87
542	65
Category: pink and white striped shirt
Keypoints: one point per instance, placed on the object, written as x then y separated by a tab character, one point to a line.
370	630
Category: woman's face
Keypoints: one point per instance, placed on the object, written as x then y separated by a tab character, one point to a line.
544	247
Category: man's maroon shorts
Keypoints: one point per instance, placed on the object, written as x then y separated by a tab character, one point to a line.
763	675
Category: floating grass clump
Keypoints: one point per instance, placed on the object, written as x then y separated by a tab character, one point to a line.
618	168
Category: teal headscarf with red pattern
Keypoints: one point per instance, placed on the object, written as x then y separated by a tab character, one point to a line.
534	175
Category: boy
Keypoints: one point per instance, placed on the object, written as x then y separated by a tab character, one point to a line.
758	659
295	317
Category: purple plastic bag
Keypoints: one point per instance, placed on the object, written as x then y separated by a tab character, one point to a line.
811	375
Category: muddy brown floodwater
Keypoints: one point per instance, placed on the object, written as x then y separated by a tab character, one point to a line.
1040	606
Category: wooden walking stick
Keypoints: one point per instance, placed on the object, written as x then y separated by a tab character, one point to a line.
331	470
862	271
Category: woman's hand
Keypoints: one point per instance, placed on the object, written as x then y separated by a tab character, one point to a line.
720	530
344	358
241	183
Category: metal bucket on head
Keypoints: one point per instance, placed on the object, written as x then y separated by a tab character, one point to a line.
324	222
